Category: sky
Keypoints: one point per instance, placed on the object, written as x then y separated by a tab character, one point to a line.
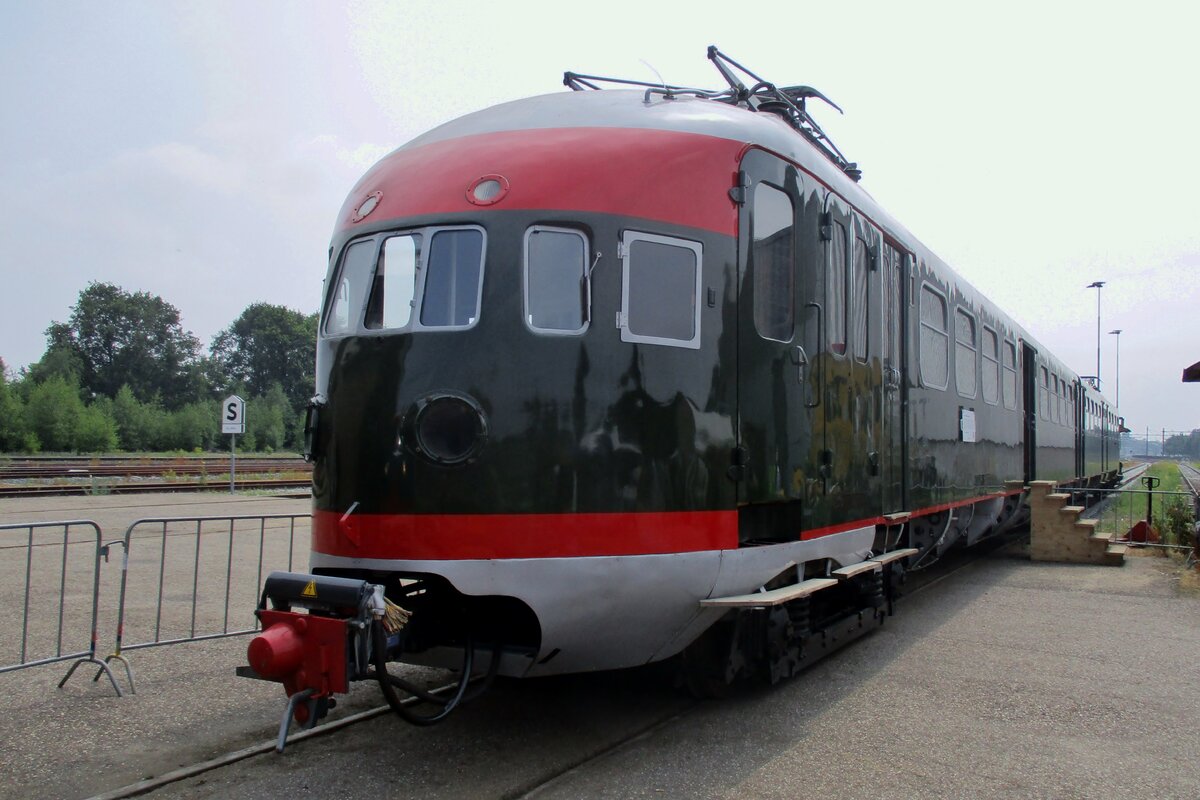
200	151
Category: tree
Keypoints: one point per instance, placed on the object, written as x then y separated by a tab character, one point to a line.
266	427
53	413
136	339
96	432
265	345
14	433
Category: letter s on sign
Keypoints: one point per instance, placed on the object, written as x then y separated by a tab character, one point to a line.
230	412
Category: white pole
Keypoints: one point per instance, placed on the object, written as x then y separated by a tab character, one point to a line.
232	459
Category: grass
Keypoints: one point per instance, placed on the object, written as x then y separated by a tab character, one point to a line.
1130	506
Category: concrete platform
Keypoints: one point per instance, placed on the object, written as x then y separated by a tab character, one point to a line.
1006	679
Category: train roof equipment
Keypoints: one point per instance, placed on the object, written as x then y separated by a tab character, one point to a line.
789	103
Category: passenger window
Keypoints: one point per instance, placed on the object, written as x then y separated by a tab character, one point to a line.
453	280
1044	395
346	295
773	259
394	287
1010	375
837	290
991	366
935	339
557	291
964	353
660	290
858	309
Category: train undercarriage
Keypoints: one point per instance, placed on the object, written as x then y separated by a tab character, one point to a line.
323	631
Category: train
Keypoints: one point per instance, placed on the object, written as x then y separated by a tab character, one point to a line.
639	373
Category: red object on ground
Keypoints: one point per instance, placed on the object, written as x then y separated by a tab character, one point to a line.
1142	532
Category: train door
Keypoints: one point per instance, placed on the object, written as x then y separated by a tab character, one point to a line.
864	355
895	267
779	424
851	399
1030	398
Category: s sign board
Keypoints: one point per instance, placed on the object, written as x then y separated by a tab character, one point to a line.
233	415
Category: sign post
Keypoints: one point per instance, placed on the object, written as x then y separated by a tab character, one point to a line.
233	422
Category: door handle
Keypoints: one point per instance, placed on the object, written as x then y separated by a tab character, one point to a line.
800	359
820	341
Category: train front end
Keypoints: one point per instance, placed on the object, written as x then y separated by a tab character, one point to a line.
523	420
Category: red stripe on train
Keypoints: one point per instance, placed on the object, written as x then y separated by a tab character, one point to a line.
679	178
441	537
467	536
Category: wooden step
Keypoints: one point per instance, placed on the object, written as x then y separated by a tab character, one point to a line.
1087	523
1072	510
772	598
852	570
1101	536
1062	497
894	555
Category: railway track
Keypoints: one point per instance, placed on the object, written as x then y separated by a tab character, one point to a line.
1191	478
553	774
52	490
56	467
69	475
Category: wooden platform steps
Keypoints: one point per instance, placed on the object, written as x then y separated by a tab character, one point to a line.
1058	534
783	594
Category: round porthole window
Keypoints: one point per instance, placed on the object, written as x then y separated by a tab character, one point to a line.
367	206
448	429
487	190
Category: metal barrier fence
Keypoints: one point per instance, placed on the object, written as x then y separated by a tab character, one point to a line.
176	553
182	579
52	557
1173	514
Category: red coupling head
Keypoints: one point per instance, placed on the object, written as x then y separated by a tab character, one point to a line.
278	651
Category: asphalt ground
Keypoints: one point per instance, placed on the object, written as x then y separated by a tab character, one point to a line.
1004	679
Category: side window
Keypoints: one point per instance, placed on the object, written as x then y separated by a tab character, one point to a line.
964	353
836	317
773	257
858	309
660	290
1044	394
349	287
453	279
395	283
557	288
935	339
1010	375
991	366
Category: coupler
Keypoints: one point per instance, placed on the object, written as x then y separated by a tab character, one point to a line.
314	653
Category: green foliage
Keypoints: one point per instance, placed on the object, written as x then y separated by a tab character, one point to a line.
118	338
1184	444
53	413
122	373
135	422
267	345
266	420
97	431
14	431
1177	522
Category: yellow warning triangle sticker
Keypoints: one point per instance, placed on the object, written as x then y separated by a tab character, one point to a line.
310	590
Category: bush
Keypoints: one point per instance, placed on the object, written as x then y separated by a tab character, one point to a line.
96	431
53	413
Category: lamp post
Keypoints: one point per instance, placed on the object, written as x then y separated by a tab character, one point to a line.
1117	333
1097	285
